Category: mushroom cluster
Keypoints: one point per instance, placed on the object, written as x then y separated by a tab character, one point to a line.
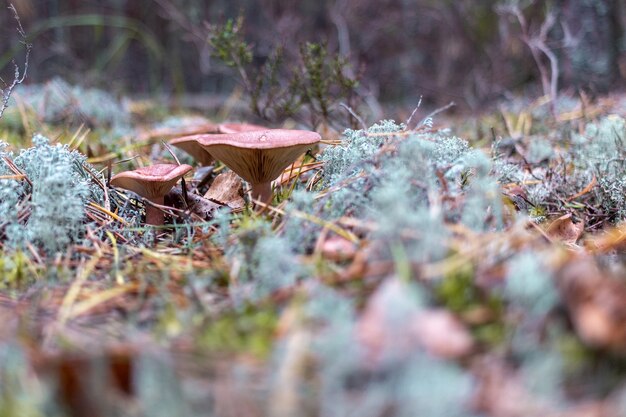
255	153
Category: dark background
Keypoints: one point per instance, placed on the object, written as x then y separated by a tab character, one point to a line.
460	50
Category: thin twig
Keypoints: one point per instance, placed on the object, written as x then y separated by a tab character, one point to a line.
18	76
436	112
169	149
408	122
356	116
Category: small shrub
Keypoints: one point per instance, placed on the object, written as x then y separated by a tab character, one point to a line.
309	90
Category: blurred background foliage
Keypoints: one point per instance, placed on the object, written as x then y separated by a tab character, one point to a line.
466	51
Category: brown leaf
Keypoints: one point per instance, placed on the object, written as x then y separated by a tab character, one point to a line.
566	229
612	239
501	393
227	189
199	205
595	302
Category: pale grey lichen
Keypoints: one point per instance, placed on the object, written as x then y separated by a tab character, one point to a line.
529	285
483	203
221	220
57	101
21	393
543	373
300	232
263	262
399	186
345	160
60	103
350	383
601	151
62	185
540	149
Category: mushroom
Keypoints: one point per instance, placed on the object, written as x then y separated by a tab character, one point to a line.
259	156
190	145
238	127
151	182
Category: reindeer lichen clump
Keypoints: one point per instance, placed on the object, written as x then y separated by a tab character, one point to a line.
58	185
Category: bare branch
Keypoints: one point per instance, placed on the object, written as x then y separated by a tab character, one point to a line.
18	75
538	45
429	119
356	116
408	122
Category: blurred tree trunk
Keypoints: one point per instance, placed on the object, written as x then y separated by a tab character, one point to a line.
592	29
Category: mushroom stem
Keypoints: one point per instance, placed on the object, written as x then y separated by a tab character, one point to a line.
262	192
154	215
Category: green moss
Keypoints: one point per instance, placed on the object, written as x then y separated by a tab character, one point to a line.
458	293
490	334
247	330
14	270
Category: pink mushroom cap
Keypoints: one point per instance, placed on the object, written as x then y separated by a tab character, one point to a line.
190	145
259	156
151	182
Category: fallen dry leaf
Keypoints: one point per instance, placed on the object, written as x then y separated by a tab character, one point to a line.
227	189
595	301
566	229
199	205
612	239
382	326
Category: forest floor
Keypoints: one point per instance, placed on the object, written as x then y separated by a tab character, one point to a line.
465	266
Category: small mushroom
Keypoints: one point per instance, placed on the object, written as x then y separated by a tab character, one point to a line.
259	156
190	145
151	182
189	142
238	127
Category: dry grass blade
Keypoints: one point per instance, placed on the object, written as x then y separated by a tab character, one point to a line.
108	213
65	310
313	219
95	300
17	177
16	170
585	190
